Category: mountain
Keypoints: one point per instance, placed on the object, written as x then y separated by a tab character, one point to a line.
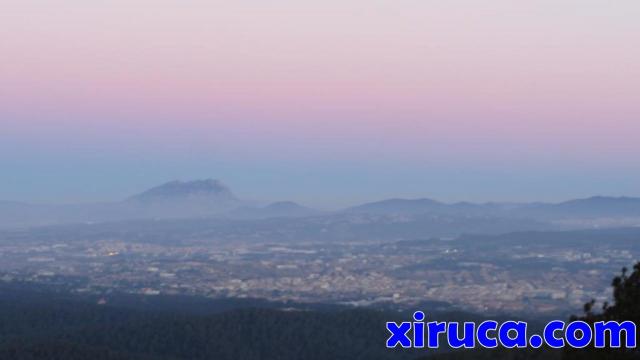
209	189
289	208
274	210
212	198
433	207
398	206
593	207
175	199
178	199
602	206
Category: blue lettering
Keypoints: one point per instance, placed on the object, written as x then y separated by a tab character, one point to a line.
398	334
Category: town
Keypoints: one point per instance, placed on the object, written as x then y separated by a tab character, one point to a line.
466	273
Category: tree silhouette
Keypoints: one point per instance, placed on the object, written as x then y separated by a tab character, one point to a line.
625	307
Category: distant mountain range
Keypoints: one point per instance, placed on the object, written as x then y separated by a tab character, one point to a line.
597	206
212	198
172	200
276	209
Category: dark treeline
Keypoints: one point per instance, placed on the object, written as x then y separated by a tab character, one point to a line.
42	323
625	307
50	325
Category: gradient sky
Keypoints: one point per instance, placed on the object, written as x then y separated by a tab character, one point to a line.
325	102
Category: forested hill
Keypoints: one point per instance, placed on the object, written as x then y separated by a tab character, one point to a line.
37	325
43	323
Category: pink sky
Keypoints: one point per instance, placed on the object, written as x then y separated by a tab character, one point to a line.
443	82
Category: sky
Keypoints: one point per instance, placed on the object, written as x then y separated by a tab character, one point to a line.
328	103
